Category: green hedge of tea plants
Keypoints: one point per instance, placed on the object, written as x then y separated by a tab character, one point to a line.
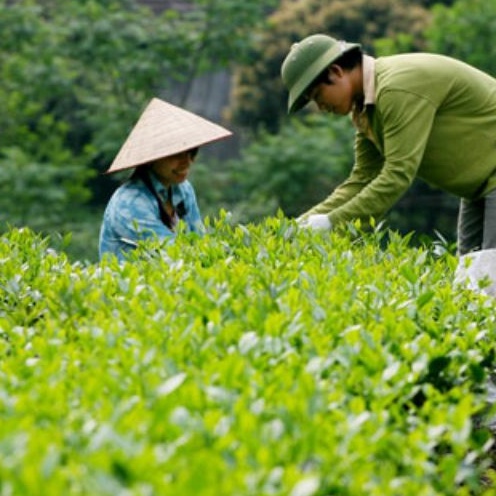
257	360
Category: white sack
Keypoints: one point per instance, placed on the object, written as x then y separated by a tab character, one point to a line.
475	268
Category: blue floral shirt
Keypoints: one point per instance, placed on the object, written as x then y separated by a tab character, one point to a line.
133	214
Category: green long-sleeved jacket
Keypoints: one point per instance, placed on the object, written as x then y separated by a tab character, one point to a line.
433	117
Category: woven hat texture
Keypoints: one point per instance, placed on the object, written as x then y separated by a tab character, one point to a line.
163	130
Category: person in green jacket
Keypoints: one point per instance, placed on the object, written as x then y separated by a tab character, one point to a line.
416	115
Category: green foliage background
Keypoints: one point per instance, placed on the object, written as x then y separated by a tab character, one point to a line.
285	171
259	359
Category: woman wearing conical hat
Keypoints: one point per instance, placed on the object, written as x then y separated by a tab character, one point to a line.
161	149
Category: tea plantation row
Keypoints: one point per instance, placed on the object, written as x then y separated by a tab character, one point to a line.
257	360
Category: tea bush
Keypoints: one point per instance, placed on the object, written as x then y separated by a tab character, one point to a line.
257	360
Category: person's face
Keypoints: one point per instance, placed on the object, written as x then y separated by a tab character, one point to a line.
174	169
336	97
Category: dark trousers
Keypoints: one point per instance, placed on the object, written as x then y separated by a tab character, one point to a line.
477	224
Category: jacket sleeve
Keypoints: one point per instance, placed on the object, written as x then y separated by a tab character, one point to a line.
405	120
368	163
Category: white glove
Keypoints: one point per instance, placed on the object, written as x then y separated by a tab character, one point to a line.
318	222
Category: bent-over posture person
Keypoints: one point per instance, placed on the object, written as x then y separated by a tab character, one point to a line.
415	114
160	148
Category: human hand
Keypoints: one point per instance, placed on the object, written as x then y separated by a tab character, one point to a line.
317	222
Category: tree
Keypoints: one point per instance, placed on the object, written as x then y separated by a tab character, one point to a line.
219	35
465	31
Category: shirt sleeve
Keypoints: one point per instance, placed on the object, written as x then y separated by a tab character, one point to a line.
379	180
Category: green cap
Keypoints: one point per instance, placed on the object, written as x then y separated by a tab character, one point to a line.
305	61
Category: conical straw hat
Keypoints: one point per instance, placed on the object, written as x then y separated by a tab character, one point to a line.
164	130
